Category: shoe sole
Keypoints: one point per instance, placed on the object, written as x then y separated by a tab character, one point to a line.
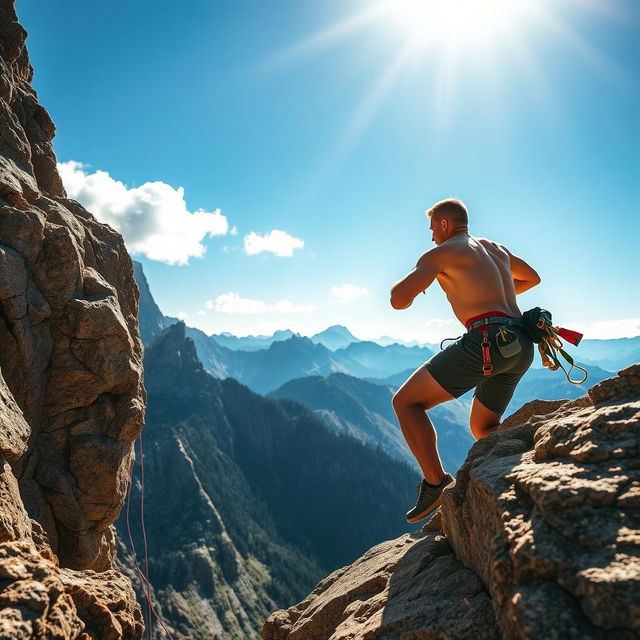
429	509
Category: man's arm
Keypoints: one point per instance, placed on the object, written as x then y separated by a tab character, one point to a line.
419	279
524	275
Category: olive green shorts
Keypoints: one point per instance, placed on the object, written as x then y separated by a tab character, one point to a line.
458	368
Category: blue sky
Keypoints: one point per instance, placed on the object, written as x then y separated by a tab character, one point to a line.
340	130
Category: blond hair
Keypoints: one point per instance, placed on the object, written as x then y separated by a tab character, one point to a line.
452	209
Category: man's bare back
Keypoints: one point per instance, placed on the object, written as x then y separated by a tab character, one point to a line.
476	277
476	274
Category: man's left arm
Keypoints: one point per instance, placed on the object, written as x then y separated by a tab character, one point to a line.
419	279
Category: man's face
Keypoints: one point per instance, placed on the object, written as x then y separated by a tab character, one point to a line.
438	230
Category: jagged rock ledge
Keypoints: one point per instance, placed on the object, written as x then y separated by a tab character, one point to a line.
540	538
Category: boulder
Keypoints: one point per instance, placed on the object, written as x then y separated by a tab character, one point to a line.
539	538
410	587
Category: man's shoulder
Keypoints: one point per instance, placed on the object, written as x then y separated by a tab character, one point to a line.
487	242
433	255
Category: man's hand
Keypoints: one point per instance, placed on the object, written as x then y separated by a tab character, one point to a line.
524	276
418	280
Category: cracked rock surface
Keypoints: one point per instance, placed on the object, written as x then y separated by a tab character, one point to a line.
410	587
547	513
539	538
71	394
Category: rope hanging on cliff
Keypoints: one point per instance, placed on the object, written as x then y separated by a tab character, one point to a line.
144	579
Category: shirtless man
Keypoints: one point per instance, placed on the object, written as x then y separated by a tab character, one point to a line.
481	279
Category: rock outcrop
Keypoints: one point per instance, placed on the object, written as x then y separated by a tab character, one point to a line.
71	394
539	536
410	587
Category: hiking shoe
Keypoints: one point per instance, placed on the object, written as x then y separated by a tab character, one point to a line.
428	498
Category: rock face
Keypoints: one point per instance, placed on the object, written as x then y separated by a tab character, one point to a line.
545	516
398	588
71	394
548	515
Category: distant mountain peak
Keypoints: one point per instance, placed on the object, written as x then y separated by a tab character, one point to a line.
174	352
335	337
151	319
338	328
284	333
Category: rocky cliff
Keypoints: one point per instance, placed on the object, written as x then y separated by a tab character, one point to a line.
539	538
71	394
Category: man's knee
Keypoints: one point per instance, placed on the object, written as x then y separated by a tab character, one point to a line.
401	400
481	429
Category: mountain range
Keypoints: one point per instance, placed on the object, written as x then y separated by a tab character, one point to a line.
249	500
363	410
266	362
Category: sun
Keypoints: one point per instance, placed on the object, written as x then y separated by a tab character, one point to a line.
459	24
437	44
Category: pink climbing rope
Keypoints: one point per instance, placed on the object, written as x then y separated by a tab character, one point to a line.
144	577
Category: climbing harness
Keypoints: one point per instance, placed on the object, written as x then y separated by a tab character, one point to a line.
481	322
537	324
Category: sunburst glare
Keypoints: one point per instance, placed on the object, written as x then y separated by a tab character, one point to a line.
442	41
457	23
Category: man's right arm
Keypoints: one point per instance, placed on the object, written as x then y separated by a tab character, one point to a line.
524	275
419	279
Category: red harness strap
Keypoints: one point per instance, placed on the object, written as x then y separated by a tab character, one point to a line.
487	367
482	316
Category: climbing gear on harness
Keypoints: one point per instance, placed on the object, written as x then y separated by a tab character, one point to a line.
537	325
447	340
481	322
507	342
487	367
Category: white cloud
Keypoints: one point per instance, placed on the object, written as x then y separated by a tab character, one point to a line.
208	304
280	243
233	303
153	219
183	315
201	312
606	329
348	292
233	231
286	306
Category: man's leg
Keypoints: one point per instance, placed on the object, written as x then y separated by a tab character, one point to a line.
483	421
418	394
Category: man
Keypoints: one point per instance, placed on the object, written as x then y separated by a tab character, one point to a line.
481	279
